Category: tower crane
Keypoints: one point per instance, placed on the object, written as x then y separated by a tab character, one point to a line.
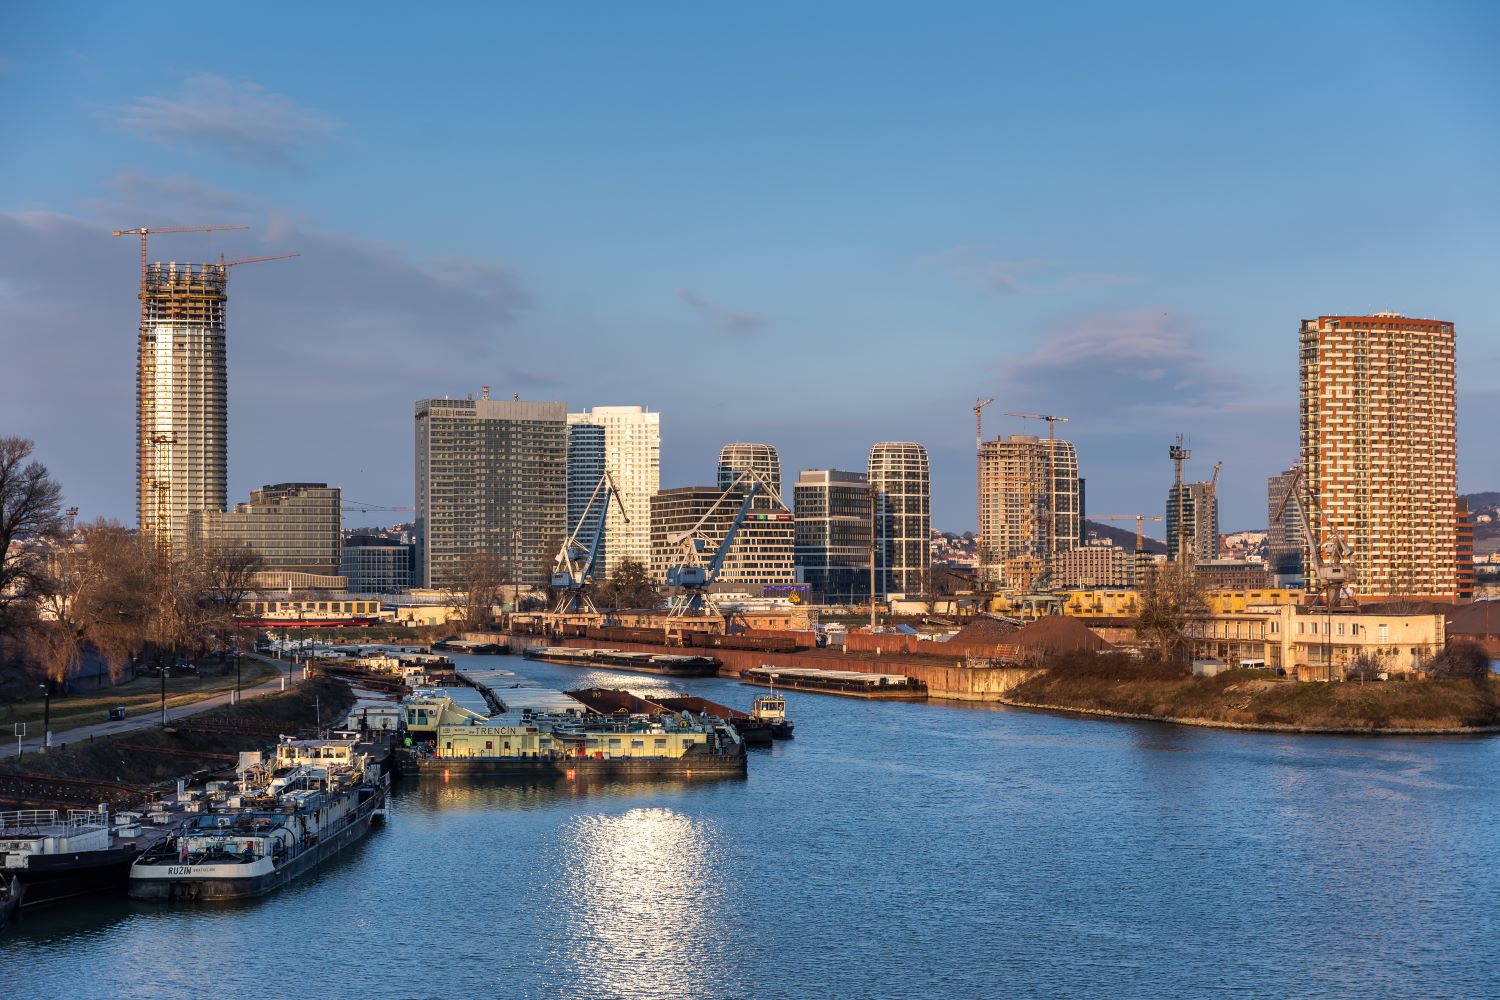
575	563
1052	422
144	231
1331	573
1139	519
255	260
689	574
979	405
1178	453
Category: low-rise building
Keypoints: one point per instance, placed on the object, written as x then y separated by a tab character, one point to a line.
1100	563
1322	644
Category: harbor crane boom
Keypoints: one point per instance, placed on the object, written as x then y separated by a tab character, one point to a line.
689	575
575	563
1330	572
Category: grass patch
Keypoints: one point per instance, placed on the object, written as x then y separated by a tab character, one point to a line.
140	694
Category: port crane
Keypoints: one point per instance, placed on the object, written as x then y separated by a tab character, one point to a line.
1328	558
575	561
689	575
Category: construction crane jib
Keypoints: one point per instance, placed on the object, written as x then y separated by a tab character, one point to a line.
689	576
575	562
1052	422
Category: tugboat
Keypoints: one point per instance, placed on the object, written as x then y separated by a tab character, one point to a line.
50	856
770	709
320	797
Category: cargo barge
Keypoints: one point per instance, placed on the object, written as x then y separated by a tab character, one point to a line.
320	797
849	683
50	856
575	745
663	664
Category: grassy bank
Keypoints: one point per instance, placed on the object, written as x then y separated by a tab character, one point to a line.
152	755
1257	698
140	694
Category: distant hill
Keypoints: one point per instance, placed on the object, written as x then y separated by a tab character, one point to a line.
1123	537
1483	501
1486	533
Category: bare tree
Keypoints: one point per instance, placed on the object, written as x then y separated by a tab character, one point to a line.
93	591
226	574
1169	599
30	510
481	582
1460	660
631	586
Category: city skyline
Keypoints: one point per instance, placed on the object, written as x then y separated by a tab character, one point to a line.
1054	248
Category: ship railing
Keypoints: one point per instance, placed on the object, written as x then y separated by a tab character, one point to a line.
49	822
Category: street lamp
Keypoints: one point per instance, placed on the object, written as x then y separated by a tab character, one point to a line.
46	713
164	696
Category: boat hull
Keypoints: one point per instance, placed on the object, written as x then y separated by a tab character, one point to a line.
49	878
709	669
167	883
691	765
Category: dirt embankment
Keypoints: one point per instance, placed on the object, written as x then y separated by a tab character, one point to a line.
1258	700
207	742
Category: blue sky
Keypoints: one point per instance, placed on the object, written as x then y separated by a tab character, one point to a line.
814	225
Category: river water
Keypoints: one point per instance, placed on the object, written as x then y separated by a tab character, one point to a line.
890	850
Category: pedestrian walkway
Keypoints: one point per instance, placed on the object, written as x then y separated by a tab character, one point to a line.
146	720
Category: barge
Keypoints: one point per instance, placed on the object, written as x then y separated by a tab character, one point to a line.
318	798
49	855
849	683
568	746
665	664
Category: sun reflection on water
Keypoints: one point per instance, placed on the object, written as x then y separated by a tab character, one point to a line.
638	899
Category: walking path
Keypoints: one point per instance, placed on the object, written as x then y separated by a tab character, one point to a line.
147	719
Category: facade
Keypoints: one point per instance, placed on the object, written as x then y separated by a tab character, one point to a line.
293	527
1232	574
1016	501
833	531
762	552
182	421
1378	443
491	478
1464	550
1295	638
1099	564
1199	529
1284	533
761	458
376	565
902	485
586	452
632	454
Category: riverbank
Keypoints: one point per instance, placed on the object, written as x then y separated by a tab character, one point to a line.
1113	687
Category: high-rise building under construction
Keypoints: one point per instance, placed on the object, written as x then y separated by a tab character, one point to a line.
181	397
1023	515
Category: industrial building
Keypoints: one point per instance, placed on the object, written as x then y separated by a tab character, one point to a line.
902	485
182	432
632	456
292	527
1030	504
833	533
762	551
491	478
1378	447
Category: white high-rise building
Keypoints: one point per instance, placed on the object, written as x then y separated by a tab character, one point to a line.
632	454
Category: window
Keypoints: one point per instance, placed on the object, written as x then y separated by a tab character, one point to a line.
1385	633
1341	628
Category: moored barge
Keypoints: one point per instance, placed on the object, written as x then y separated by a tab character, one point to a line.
849	683
320	797
664	664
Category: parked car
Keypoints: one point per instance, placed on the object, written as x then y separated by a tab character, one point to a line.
117	713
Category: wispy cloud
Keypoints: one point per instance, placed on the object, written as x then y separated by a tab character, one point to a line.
1015	275
1125	360
242	121
727	319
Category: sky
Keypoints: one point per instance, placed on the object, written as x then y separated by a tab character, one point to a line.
815	225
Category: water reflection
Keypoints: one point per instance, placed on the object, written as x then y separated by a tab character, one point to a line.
637	901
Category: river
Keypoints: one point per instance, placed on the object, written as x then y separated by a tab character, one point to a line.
890	850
